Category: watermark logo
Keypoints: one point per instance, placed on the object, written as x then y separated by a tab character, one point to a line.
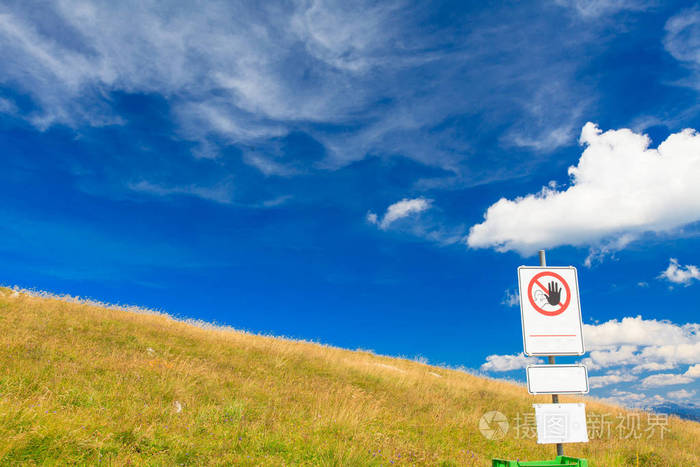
493	425
555	425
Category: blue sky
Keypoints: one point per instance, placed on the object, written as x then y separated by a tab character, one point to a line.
368	175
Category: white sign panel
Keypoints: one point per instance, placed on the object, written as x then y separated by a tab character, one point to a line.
550	310
557	379
561	423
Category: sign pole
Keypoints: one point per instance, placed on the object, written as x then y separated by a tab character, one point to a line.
555	397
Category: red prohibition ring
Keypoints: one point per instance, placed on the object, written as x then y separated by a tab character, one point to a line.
564	305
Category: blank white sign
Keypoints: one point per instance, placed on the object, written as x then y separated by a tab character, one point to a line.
561	423
557	379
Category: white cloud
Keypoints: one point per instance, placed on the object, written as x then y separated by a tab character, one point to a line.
399	210
638	331
681	394
665	379
693	371
428	226
669	379
679	274
610	378
508	362
646	345
633	399
615	195
643	345
653	366
624	354
679	353
628	349
512	298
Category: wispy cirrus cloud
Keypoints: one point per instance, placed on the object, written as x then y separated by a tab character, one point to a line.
7	106
594	9
366	79
682	41
221	193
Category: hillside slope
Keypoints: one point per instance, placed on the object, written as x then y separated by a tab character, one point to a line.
85	384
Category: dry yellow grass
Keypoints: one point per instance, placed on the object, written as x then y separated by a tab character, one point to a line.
92	385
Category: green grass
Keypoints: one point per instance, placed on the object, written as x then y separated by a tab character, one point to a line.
82	384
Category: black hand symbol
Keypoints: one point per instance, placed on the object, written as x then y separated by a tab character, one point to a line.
554	295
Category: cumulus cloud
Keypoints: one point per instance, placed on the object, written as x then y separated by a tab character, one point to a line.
637	331
679	274
627	351
610	378
645	345
619	189
693	371
633	399
508	362
681	394
653	366
399	210
641	345
621	355
665	379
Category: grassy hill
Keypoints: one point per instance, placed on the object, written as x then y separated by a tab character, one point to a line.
93	385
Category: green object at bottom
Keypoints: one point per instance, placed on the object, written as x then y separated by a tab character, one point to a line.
561	461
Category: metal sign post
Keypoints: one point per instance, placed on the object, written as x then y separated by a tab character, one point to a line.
552	361
550	314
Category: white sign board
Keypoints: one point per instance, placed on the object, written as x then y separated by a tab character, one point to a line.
561	423
550	310
557	379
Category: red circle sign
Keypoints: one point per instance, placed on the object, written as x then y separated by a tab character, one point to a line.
535	280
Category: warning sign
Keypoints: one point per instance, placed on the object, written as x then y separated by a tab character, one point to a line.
552	299
550	311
